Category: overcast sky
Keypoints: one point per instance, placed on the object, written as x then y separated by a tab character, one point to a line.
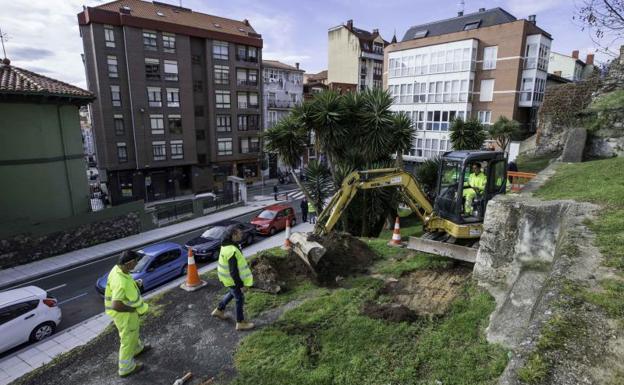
44	37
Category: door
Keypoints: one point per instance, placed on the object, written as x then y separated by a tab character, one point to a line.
162	268
171	265
280	220
16	323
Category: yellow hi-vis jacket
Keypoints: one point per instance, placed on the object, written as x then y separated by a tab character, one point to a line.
223	269
477	182
311	208
122	287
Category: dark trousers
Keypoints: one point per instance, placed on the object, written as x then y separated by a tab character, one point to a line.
304	216
237	293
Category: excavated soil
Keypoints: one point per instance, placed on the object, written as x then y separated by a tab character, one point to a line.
274	274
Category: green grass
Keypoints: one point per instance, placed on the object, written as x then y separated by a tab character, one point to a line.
608	101
534	164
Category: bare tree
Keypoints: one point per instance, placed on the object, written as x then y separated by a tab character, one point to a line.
604	19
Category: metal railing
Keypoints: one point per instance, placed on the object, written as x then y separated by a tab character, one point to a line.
518	180
172	212
281	104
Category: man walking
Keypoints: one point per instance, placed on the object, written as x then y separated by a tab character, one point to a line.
312	212
275	190
123	303
304	209
235	274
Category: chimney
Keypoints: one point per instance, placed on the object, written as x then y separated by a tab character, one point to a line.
350	23
297	65
460	13
375	31
575	53
589	60
531	19
481	9
246	22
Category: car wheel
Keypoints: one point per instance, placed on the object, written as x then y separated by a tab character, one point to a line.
272	231
42	331
184	270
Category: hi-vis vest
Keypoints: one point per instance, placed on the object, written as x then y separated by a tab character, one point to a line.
311	208
477	182
117	283
223	269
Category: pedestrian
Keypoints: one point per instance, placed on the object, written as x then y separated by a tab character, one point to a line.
312	212
235	274
123	303
275	190
304	209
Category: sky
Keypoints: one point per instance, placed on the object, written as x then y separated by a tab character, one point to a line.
43	35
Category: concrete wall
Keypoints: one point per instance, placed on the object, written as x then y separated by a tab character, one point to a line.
343	60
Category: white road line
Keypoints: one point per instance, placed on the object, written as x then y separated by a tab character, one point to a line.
57	287
73	298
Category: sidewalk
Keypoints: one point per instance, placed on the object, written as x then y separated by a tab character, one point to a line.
23	273
34	356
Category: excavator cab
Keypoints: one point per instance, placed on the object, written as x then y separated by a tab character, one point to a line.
458	201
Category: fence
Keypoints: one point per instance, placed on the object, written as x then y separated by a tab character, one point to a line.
519	179
211	204
173	212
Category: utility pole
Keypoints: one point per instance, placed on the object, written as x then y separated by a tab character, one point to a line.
3	37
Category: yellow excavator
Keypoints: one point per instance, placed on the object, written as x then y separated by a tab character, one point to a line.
450	229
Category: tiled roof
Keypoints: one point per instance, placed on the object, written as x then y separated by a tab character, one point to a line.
18	81
280	65
319	76
177	15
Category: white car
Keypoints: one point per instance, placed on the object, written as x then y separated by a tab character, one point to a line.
26	314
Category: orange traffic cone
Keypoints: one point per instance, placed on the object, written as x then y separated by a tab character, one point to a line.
396	235
193	282
287	243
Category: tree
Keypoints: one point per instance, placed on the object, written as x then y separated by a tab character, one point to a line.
319	183
427	175
503	131
403	135
468	135
605	21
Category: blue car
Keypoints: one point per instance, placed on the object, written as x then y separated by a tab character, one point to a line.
159	264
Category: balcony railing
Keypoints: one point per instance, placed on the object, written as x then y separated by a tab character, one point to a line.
250	59
247	83
281	104
247	105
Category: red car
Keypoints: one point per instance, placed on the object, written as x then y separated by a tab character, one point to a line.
273	219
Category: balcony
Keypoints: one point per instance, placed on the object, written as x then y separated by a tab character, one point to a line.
246	105
248	59
372	55
247	83
281	104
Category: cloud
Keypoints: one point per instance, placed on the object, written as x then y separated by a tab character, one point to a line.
30	53
523	8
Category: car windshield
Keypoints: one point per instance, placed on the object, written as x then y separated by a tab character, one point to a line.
142	262
214	232
266	214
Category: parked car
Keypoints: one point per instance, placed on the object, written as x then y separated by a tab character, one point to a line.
273	219
206	246
159	264
27	314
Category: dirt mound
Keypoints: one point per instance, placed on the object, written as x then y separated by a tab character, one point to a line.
346	255
389	311
273	273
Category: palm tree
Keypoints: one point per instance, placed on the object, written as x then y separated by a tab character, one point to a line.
319	184
503	131
403	135
468	135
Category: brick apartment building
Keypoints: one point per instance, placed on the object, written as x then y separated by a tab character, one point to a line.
483	65
179	98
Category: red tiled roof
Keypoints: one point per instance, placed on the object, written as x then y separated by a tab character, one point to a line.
280	65
14	80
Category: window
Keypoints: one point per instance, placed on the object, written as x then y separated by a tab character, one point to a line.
109	36
154	97
198	86
472	25
224	146
200	135
249	122
149	41
118	123
487	90
171	70
177	149
159	151
113	71
199	111
122	152
246	53
196	59
223	99
152	68
489	57
485	117
220	50
421	33
531	56
115	96
224	123
378	48
157	124
168	42
175	124
246	77
222	74
247	100
173	97
249	145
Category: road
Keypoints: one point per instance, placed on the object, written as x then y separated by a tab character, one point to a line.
75	288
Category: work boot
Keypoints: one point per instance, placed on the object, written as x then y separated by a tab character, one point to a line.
244	325
219	314
146	347
138	367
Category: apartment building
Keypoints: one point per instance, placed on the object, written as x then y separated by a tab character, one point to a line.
570	66
484	65
314	84
355	58
178	98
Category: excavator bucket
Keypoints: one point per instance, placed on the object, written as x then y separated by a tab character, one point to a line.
309	251
449	250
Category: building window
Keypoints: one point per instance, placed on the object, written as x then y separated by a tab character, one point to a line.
149	40
173	97
113	71
246	77
115	96
249	145
436	120
472	25
154	97
224	123
159	151
527	89
198	86
378	48
200	135
175	124
487	90
199	111
531	56
246	53
122	152
171	70
220	50
272	118
118	123
223	99
168	43
224	146
222	74
109	36
177	149
485	117
489	57
196	59
157	124
542	60
247	99
152	69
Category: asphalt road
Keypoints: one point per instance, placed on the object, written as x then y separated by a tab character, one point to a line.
75	288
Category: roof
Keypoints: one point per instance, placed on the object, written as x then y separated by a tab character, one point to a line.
18	81
473	155
159	248
320	75
280	65
16	295
557	78
486	18
169	13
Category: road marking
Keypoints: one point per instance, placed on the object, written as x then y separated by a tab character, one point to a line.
57	287
73	298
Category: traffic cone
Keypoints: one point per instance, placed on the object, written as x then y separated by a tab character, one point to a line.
396	235
193	282
287	244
